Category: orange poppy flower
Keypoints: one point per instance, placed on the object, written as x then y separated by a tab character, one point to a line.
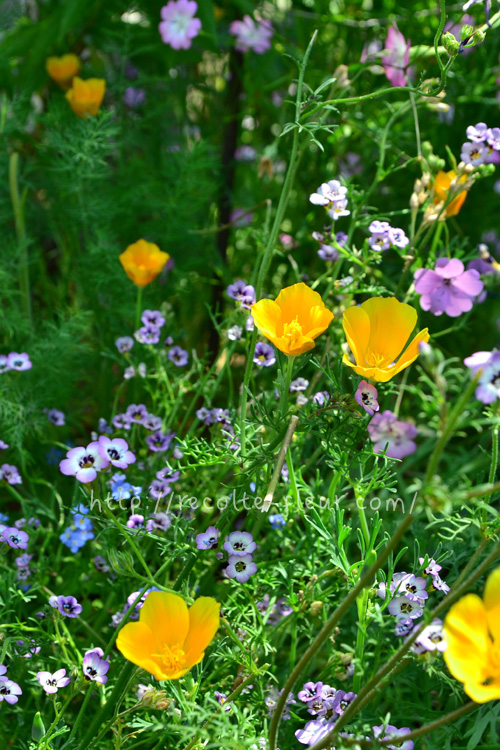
143	261
85	97
169	639
63	69
377	332
293	320
442	183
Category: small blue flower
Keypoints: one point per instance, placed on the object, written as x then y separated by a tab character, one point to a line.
277	521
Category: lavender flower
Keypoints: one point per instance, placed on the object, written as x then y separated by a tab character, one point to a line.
449	288
10	474
342	701
321	398
52	682
136	413
94	667
115	452
241	568
56	417
222	700
148	335
27	649
477	133
14	537
473	153
240	543
487	364
66	605
178	356
134	97
299	384
392	436
388	732
19	362
366	396
178	27
431	638
209	539
264	355
404	609
124	344
9	690
158	442
252	35
242	292
313	732
83	463
135	522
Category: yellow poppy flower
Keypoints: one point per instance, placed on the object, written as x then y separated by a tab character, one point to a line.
293	320
377	332
472	632
169	639
442	183
63	69
143	261
85	97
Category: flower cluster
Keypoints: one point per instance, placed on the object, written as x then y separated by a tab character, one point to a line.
383	236
392	436
242	292
333	196
15	361
329	243
84	463
481	144
80	531
326	704
240	545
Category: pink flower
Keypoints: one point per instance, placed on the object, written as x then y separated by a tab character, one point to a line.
449	288
397	61
389	435
178	27
366	396
251	35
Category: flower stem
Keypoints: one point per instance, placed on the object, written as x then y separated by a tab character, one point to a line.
287	379
18	208
493	469
138	308
279	464
325	631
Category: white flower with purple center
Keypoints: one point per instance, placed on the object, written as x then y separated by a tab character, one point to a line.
235	333
404	609
9	690
473	153
178	356
56	417
338	209
413	588
439	584
240	568
391	436
124	344
94	667
10	474
15	538
313	731
116	452
397	237
178	26
67	606
208	539
153	318
264	355
19	362
493	138
240	543
431	638
299	384
328	193
385	732
477	133
52	682
83	463
366	396
242	292
488	365
252	36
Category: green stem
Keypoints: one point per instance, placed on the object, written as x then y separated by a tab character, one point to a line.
342	609
454	416
287	380
493	468
131	542
279	464
18	208
138	308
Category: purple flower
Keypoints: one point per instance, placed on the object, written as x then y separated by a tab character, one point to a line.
432	568
264	355
313	732
133	97
448	288
101	564
159	488
178	356
239	543
178	27
27	649
252	35
404	609
124	344
342	700
439	584
397	237
487	364
14	537
115	452
388	732
413	588
403	627
245	153
209	539
19	362
152	423
52	682
477	133
309	691
205	415
240	568
135	522
153	318
3	446
3	670
95	667
83	463
299	384
10	474
158	442
222	700
242	292
159	522
493	138
473	153
122	421
9	690
23	560
366	396
148	334
386	431
66	605
328	253
56	417
398	59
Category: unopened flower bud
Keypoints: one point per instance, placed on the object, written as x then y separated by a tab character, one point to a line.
479	36
316	608
414	201
342	76
466	31
485	170
37	728
418	186
450	44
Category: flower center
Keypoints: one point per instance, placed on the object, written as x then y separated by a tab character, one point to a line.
86	462
375	359
292	331
240	566
173	658
113	454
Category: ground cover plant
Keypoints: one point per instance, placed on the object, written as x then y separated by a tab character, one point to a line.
249	376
